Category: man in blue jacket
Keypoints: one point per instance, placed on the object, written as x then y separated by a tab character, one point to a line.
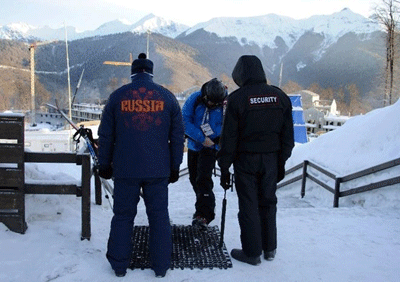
202	116
141	139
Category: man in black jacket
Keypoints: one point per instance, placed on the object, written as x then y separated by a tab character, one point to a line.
257	138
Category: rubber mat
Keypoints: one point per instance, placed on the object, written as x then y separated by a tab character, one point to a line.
192	248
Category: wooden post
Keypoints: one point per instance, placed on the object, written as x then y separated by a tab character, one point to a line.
337	192
303	180
12	172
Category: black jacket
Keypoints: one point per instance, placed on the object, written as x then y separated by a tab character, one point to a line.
258	116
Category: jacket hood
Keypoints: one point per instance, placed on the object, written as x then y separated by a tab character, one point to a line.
248	70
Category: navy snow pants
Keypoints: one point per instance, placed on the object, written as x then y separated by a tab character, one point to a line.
255	181
126	198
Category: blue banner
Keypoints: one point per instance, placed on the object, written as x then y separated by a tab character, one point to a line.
300	131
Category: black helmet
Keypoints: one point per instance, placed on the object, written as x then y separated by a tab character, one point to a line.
214	91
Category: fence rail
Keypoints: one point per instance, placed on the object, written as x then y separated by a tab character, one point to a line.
339	180
82	190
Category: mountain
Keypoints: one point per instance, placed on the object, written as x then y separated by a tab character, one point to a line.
152	23
263	30
17	31
158	25
333	51
174	64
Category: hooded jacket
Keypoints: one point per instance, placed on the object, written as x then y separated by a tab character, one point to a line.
258	116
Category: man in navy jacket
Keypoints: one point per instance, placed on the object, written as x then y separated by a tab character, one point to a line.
141	139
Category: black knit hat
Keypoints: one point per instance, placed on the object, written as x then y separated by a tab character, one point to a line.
141	64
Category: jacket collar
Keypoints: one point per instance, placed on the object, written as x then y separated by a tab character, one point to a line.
142	76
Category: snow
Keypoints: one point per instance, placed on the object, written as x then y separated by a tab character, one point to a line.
359	241
156	24
263	30
149	23
10	113
260	30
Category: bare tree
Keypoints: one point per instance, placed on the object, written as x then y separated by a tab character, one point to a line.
388	15
291	87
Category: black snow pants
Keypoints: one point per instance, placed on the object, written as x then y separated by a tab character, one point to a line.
255	181
201	165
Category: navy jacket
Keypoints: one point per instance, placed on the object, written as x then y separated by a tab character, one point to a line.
193	115
141	131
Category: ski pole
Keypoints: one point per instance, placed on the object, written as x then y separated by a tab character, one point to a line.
223	220
106	186
77	87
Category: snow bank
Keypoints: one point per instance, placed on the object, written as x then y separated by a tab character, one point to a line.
362	142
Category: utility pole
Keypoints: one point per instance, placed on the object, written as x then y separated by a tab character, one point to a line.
69	81
280	76
148	40
69	90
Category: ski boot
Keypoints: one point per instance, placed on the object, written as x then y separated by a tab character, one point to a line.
200	223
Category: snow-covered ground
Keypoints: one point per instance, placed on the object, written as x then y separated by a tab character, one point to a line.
360	241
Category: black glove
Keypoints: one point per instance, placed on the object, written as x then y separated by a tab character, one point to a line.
216	140
281	169
105	172
174	176
225	179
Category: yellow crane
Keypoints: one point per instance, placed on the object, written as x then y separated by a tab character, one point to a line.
120	63
130	55
32	48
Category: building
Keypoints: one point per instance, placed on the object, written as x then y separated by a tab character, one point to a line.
86	112
320	116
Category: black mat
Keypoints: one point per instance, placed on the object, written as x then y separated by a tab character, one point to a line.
192	248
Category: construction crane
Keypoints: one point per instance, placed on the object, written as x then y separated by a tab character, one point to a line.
32	48
130	55
120	63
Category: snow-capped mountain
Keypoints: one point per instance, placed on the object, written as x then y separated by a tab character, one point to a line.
332	51
16	31
158	25
150	23
263	30
117	26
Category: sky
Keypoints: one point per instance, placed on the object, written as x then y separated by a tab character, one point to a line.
357	242
90	14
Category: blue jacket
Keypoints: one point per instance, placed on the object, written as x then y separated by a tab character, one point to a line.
193	115
141	131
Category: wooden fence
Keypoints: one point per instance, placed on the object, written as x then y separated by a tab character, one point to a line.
335	190
12	176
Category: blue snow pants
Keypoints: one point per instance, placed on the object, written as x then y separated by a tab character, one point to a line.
126	199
